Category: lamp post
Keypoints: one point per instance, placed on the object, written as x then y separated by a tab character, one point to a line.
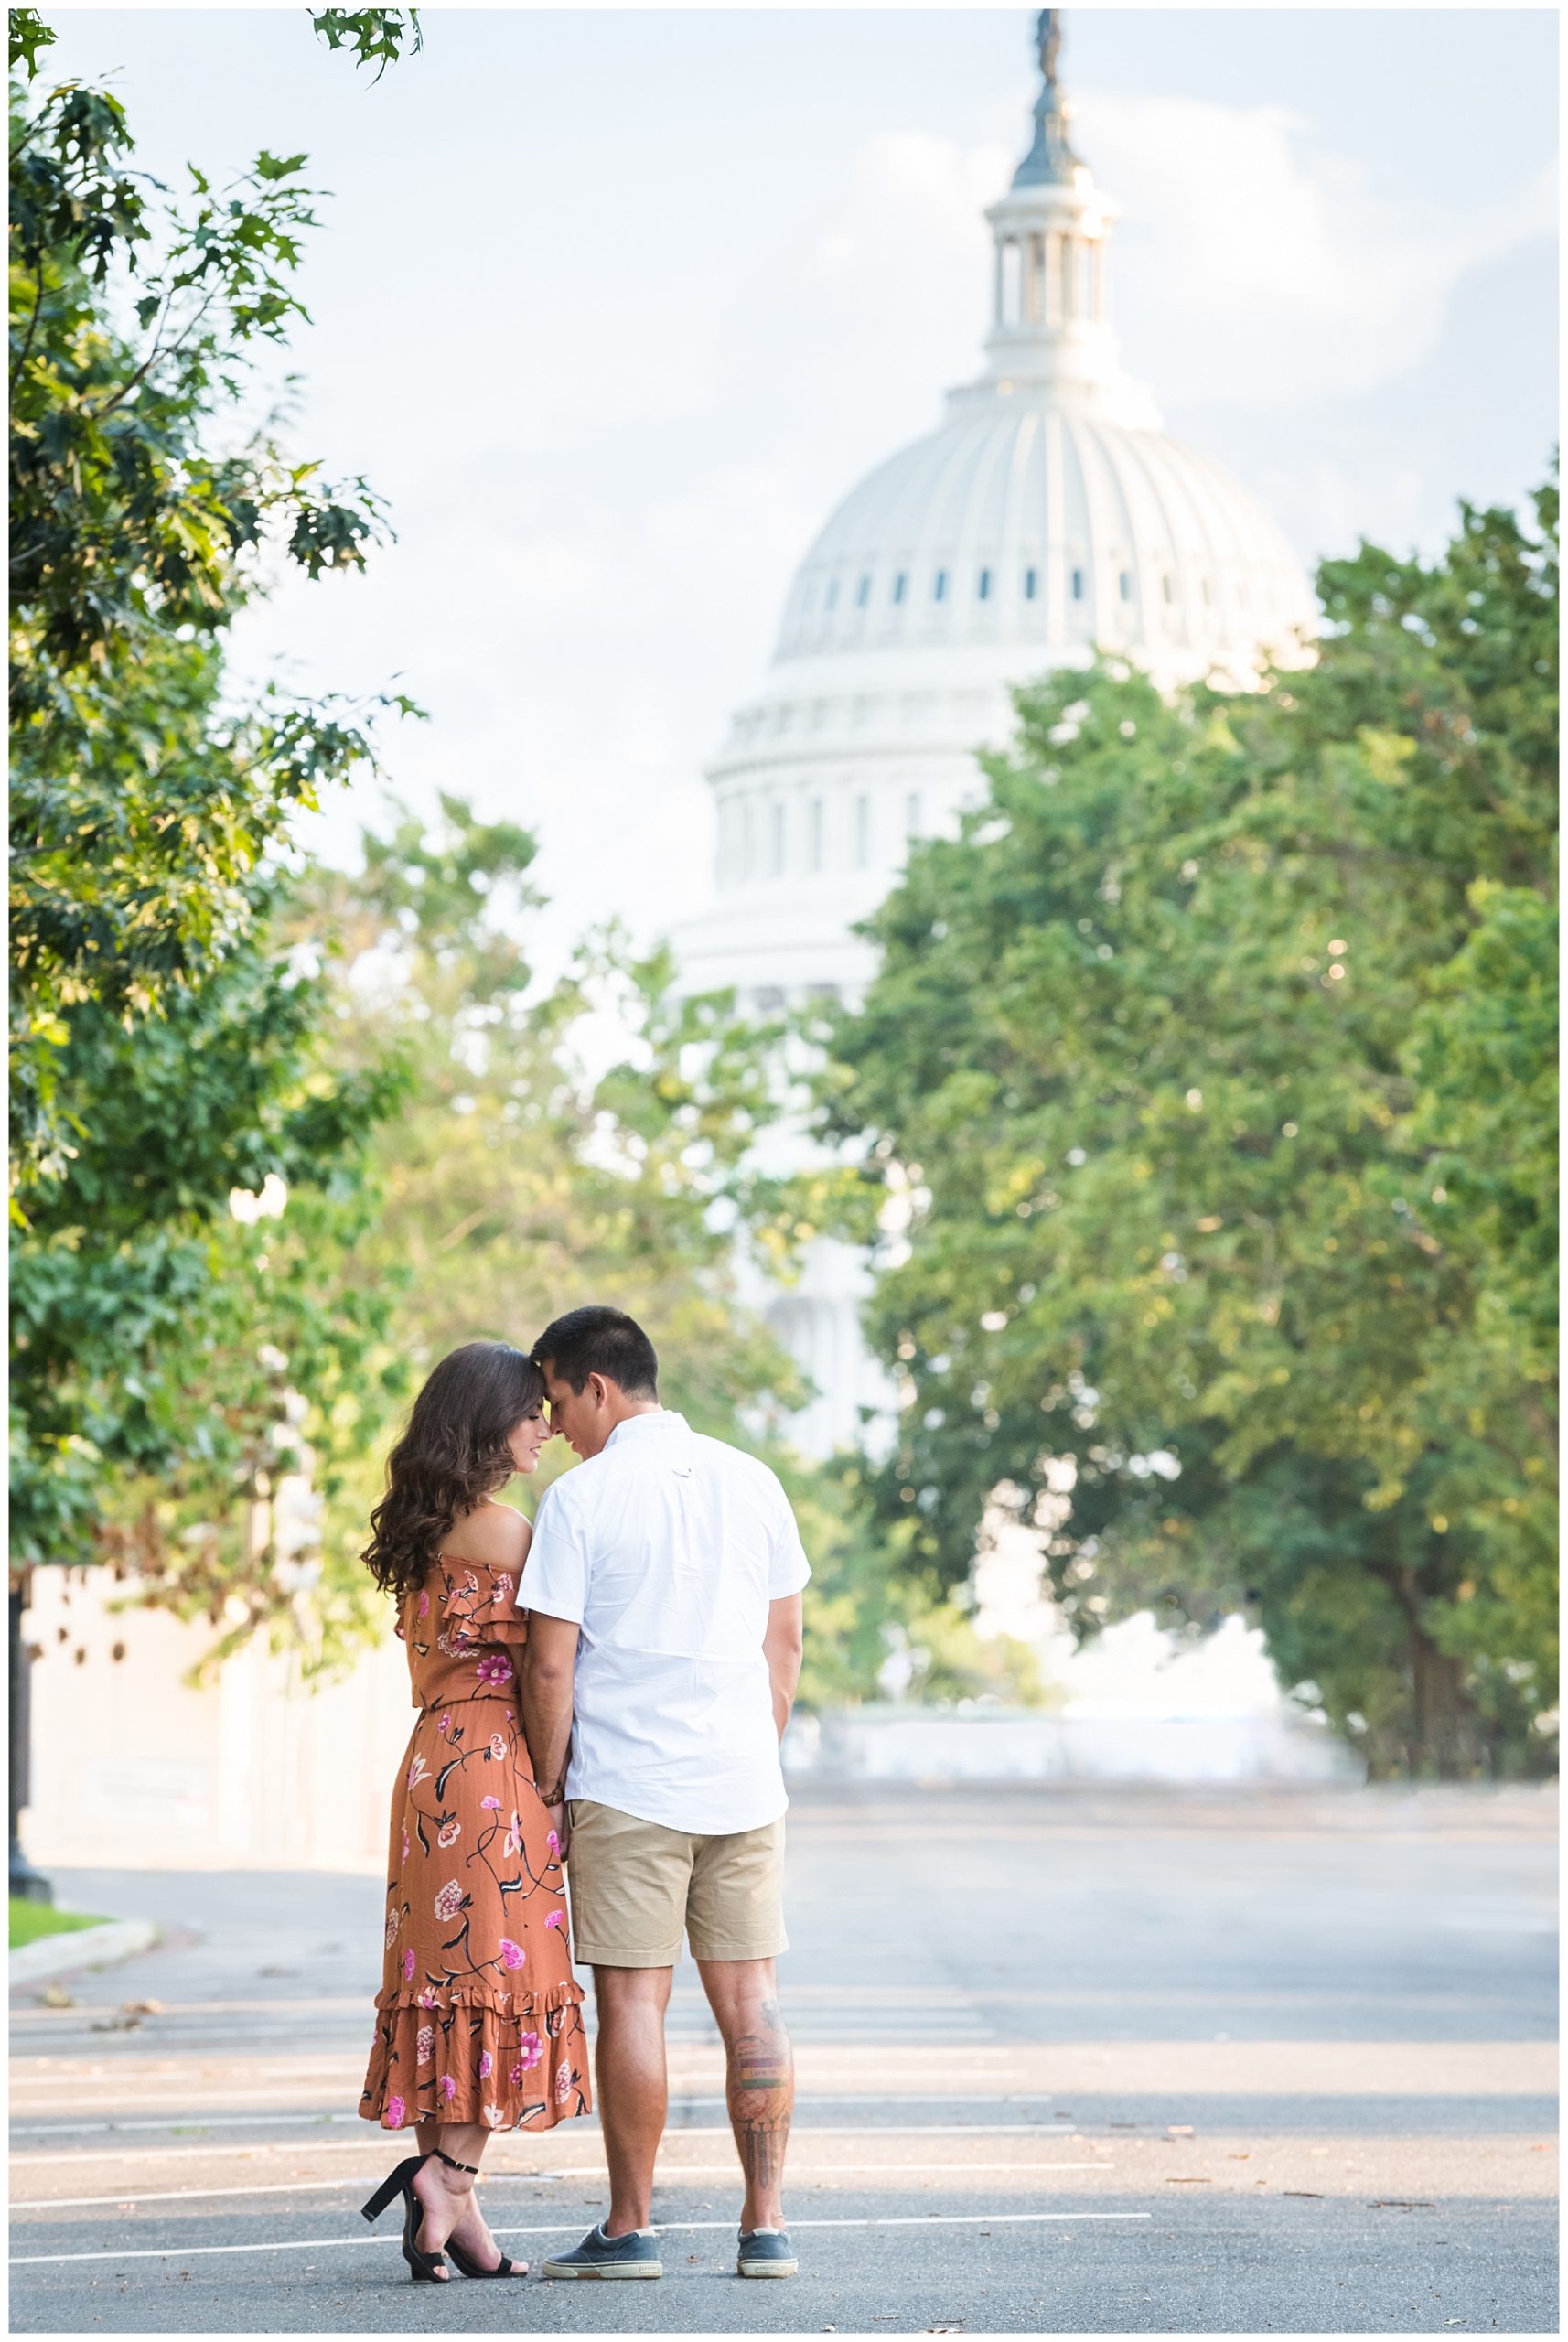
24	1880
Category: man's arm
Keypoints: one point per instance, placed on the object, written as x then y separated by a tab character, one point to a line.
782	1647
546	1678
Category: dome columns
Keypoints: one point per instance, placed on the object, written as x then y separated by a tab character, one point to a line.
1049	309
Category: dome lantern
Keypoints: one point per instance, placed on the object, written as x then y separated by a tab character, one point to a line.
1050	308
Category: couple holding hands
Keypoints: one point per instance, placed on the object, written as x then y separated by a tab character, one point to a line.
610	1689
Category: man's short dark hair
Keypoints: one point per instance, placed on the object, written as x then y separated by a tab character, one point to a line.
596	1340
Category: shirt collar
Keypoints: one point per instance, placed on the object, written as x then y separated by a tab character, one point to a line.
664	1420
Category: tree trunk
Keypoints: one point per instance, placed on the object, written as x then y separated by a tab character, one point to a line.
24	1880
1443	1741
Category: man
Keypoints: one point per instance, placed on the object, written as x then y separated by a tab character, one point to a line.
663	1590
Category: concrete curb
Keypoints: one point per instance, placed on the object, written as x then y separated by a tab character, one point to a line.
59	1955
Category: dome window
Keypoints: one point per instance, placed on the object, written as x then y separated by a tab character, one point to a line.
814	834
939	586
1125	584
833	593
863	832
983	588
912	814
808	598
1031	583
863	594
899	584
1077	584
777	828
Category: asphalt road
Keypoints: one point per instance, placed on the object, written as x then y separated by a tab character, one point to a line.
1069	2061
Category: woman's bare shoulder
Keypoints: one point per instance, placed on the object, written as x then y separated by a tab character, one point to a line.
494	1535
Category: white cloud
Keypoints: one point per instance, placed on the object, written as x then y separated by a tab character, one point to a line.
1261	266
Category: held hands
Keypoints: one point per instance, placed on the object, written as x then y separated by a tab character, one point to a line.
560	1822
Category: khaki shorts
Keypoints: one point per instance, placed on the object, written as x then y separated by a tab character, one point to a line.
634	1886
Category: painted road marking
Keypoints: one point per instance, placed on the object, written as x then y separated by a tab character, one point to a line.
818	2097
692	2131
534	2178
665	2227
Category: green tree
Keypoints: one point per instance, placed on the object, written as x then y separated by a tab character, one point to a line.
1208	1069
144	801
162	1051
519	1178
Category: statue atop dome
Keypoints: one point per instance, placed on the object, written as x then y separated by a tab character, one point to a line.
1050	161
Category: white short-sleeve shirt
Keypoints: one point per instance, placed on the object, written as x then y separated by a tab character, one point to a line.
666	1549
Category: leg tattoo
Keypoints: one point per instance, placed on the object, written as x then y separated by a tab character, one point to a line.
761	2096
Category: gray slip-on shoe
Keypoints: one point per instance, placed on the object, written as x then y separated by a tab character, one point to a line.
636	2254
766	2253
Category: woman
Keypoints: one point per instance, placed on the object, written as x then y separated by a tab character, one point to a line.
480	2020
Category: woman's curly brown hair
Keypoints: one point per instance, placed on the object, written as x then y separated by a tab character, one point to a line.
453	1455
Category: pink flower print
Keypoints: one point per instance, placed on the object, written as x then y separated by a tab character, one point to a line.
408	1967
447	2088
555	1918
404	1855
424	1609
491	1804
553	1841
487	2065
494	2117
424	2044
392	2119
449	1833
395	1922
427	1998
516	2077
498	1749
443	1724
494	1668
562	2084
514	1837
416	1772
449	1902
530	2050
512	1954
504	1586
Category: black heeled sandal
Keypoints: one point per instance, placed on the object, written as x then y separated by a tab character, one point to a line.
504	2267
421	2265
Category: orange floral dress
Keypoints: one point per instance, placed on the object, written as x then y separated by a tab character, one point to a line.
480	2017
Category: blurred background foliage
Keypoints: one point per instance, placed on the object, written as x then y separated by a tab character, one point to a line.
1211	1079
1203	1111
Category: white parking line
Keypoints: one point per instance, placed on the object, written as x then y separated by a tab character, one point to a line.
38	2130
664	2177
671	2227
53	2157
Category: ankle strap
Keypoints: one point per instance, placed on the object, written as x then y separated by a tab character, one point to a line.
453	2164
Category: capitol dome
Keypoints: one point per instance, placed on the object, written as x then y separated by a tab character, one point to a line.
1049	517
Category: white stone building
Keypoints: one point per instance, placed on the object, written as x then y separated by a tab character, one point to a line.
1048	516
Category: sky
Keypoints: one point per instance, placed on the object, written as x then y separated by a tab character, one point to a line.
614	307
